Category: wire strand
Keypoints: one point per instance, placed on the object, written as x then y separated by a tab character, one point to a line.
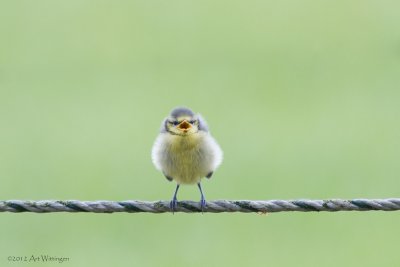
218	206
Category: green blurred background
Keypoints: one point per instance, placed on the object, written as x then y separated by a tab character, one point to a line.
303	97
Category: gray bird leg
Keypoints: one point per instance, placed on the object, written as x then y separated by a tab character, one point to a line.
174	201
202	200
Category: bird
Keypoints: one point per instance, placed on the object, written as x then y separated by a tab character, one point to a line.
185	152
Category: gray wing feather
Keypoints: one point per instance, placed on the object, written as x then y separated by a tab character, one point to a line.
202	123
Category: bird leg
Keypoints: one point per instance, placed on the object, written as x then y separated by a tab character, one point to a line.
174	201
202	200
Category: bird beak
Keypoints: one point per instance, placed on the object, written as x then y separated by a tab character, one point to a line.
184	126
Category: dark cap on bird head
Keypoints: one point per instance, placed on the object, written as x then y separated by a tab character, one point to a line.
181	111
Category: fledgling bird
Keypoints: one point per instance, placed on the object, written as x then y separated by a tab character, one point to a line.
185	151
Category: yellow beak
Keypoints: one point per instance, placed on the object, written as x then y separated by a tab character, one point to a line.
184	126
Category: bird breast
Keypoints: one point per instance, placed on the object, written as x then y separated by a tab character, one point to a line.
186	159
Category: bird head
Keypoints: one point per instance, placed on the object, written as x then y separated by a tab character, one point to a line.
182	121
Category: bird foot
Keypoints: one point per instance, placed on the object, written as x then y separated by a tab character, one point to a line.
173	205
203	204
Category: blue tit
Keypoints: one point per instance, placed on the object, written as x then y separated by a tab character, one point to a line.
185	151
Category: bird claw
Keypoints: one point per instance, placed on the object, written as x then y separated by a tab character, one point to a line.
203	204
173	205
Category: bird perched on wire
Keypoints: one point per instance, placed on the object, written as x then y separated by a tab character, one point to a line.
185	151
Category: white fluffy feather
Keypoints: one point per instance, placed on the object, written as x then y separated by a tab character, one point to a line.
186	159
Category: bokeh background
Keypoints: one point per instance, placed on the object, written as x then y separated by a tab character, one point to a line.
303	97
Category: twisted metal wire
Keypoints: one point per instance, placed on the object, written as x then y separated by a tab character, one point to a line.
261	206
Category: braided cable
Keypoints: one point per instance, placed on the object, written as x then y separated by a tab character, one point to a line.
261	206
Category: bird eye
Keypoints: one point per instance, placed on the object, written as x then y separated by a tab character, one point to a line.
192	121
173	122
